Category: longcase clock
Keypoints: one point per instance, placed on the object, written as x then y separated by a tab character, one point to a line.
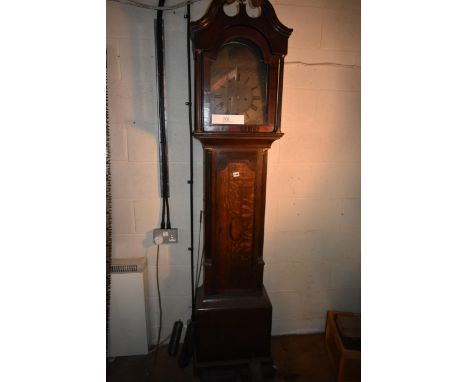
238	87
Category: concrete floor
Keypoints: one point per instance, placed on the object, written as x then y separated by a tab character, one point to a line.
298	358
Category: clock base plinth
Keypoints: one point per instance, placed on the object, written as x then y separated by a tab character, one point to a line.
255	370
232	329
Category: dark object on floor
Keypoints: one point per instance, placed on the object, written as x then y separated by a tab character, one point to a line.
298	358
175	338
187	347
345	361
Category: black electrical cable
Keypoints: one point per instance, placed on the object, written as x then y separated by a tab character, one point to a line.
159	47
148	6
153	348
187	347
163	220
189	108
152	364
159	298
168	225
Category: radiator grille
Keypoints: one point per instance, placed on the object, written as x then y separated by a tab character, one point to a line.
119	268
132	265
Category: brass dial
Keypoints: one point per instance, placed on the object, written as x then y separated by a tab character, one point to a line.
239	94
238	84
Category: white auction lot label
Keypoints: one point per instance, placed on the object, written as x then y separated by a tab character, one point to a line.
227	119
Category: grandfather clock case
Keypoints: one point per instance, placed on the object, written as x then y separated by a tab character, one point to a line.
238	88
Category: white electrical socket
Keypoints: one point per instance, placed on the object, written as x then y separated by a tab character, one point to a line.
165	235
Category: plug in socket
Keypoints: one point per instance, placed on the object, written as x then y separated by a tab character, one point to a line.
168	236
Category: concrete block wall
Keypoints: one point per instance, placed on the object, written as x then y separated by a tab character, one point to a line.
312	231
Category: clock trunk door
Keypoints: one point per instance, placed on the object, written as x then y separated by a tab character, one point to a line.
236	250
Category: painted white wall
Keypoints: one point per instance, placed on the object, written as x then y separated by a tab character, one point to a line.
312	230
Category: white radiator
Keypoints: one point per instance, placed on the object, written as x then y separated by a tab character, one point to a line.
129	313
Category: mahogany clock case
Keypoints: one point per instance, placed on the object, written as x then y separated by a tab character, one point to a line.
232	315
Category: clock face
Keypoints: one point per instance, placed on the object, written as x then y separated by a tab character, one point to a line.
238	86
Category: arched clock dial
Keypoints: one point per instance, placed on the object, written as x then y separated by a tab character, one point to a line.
239	94
238	86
